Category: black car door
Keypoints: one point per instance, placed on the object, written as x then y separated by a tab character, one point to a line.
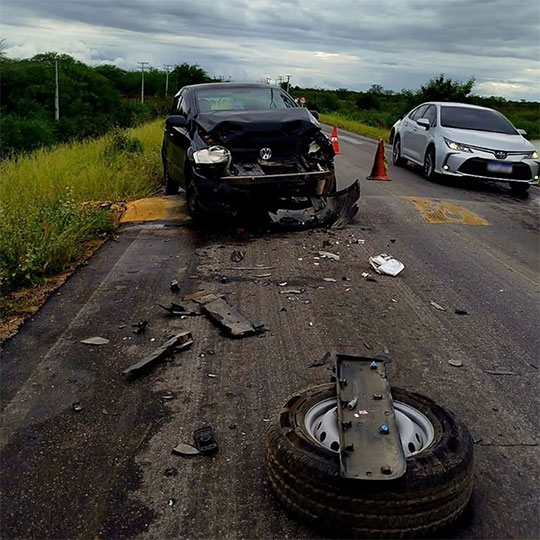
177	141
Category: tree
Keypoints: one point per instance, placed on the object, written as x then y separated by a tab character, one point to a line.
185	74
443	88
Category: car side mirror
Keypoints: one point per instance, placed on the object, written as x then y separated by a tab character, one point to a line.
522	132
176	120
424	122
315	114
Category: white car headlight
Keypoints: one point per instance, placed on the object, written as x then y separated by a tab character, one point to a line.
213	155
457	146
534	155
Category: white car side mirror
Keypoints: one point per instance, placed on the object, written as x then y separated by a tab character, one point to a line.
522	132
424	122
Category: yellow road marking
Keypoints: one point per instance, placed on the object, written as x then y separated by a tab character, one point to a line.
444	212
155	209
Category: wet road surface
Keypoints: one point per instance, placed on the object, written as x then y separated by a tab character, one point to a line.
107	471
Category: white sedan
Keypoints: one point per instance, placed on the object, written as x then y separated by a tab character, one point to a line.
457	139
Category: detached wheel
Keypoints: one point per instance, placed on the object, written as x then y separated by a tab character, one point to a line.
304	471
519	188
397	160
429	164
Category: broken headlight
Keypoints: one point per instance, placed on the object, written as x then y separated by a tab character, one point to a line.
213	155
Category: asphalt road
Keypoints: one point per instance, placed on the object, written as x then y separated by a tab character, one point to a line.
107	471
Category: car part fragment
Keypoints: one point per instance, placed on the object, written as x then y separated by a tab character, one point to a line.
334	211
228	318
180	341
205	440
305	472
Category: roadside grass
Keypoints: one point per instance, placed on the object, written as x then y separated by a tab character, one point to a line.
52	201
351	124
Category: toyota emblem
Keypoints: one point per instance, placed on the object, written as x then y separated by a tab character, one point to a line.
500	155
265	153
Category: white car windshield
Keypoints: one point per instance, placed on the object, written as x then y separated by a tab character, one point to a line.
477	119
242	99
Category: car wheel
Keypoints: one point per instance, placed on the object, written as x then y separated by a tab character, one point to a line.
192	197
429	163
397	160
305	474
171	187
519	188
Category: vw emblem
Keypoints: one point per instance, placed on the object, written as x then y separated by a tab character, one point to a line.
500	155
265	153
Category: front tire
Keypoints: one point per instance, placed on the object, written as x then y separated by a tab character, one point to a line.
429	164
305	475
397	160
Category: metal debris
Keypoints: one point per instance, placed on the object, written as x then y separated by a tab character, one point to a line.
386	264
176	343
175	286
179	310
95	341
328	255
437	306
205	440
322	361
237	255
227	317
140	327
183	449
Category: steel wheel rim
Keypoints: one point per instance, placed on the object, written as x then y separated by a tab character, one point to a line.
415	429
428	166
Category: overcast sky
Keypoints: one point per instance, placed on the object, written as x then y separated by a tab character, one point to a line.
321	43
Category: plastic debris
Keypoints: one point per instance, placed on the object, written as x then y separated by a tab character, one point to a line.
175	286
365	274
237	256
231	320
179	310
205	440
183	449
95	341
172	502
501	372
328	255
212	375
386	264
171	471
329	279
437	306
461	311
176	343
322	361
371	278
77	407
282	284
455	363
291	291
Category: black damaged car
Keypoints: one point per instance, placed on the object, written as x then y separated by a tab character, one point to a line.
243	149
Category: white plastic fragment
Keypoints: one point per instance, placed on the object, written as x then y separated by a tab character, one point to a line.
95	341
329	279
365	274
328	255
386	264
437	306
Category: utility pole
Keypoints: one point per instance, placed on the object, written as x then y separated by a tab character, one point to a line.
288	83
142	64
56	93
167	69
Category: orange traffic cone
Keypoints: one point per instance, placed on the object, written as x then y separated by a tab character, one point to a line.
335	142
379	165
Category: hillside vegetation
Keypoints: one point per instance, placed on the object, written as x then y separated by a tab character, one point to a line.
51	202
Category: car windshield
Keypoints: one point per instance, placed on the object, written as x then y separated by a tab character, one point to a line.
478	119
242	99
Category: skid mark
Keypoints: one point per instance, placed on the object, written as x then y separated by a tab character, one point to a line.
434	211
155	209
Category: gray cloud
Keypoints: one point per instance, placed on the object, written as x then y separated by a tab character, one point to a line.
397	43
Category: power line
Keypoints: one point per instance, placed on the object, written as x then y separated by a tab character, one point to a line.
142	64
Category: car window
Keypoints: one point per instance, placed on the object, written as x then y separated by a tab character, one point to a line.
418	112
477	119
431	114
181	107
243	99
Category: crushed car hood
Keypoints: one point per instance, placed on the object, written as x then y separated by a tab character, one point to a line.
287	132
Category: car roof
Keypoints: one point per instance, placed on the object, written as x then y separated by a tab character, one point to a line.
456	104
209	86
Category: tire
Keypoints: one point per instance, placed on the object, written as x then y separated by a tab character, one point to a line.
429	164
519	188
397	160
171	187
192	198
305	476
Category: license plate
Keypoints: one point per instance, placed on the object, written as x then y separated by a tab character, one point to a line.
504	168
